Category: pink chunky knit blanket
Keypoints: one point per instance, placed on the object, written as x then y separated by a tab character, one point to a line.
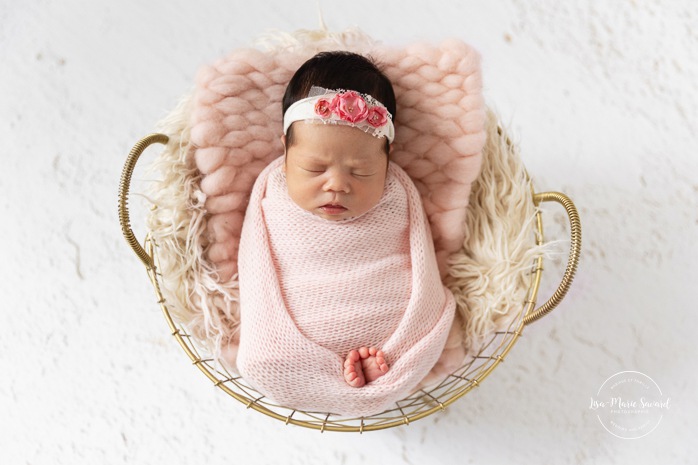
440	131
311	290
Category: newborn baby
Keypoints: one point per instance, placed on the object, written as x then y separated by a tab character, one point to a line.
342	306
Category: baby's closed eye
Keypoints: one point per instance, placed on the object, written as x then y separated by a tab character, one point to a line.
314	169
362	174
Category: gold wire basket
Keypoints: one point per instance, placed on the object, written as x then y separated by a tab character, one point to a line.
420	404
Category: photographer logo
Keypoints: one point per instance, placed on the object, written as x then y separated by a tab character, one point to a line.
629	405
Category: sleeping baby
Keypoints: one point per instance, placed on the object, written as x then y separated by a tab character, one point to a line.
342	308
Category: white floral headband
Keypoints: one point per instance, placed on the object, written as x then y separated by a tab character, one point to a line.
346	107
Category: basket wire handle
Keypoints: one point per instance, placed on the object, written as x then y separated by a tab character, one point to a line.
124	187
572	261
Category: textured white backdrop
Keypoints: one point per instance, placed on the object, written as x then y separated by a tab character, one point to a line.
603	98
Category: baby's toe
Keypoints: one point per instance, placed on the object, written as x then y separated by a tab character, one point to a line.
380	361
350	375
353	356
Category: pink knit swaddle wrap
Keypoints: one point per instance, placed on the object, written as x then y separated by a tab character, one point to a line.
311	290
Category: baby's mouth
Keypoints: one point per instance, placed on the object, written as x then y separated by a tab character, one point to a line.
333	209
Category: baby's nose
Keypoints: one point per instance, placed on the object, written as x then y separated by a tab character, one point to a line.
337	182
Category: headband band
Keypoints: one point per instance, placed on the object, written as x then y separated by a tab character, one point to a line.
345	107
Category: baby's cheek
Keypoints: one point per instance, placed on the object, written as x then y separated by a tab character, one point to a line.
379	193
299	192
375	195
380	187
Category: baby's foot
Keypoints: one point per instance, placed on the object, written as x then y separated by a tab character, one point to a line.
373	363
364	365
353	371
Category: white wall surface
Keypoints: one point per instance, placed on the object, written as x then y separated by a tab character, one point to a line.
602	97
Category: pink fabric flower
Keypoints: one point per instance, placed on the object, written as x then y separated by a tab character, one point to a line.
323	108
377	116
350	106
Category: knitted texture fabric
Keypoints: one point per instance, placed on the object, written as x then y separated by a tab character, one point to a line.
236	122
312	289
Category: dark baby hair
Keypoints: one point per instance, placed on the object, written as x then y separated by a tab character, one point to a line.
339	70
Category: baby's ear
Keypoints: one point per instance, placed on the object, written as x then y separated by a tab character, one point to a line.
390	149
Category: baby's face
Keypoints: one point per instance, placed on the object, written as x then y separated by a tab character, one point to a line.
335	172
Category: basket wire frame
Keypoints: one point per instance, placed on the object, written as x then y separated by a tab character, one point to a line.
412	408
